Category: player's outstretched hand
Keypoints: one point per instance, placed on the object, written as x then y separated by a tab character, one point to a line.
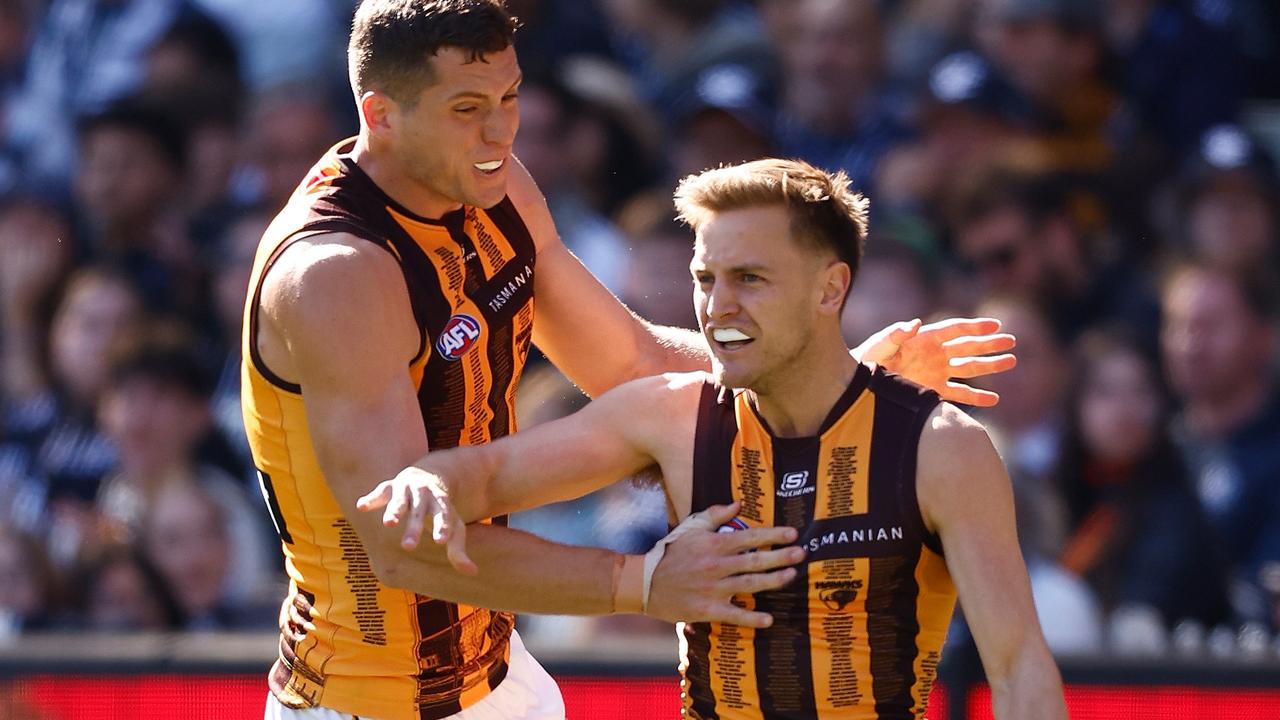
703	569
937	354
409	498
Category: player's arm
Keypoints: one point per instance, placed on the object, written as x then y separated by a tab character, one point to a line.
620	433
965	496
341	310
598	343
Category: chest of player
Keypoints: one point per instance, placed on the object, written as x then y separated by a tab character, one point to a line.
470	285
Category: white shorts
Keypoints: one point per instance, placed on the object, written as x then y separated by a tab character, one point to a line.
527	693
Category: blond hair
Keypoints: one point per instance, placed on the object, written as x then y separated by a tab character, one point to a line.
825	213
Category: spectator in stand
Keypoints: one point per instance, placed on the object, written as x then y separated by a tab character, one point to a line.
1053	52
128	191
553	125
1018	232
52	446
35	256
667	43
837	108
656	279
1219	342
187	537
898	278
86	55
123	592
29	598
15	25
1228	209
288	128
1136	532
1027	425
194	73
967	117
724	117
231	262
1181	75
156	411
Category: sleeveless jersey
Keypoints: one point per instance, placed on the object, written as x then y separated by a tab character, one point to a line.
858	634
379	651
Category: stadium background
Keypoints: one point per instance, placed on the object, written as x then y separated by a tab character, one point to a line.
1099	175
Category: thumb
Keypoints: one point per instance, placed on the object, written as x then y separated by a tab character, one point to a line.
380	496
904	331
718	515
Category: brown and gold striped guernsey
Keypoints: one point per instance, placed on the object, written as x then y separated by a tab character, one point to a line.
377	651
858	634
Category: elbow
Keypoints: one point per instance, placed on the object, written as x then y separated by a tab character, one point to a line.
388	567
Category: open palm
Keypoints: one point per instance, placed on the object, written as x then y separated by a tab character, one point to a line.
938	354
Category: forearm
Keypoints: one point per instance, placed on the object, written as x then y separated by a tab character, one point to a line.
518	572
674	350
1032	689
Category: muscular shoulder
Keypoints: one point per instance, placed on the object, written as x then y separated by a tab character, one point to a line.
530	203
957	465
333	284
951	430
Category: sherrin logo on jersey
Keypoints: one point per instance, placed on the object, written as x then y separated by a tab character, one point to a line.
459	334
795	483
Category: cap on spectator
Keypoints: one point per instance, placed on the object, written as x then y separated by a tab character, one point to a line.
733	89
1228	152
967	80
1071	14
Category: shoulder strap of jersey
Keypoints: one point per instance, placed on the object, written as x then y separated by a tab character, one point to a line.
713	448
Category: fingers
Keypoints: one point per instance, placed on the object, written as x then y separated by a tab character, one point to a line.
901	332
972	367
743	540
965	395
456	550
721	514
761	561
758	582
377	498
413	526
398	505
968	345
952	328
735	615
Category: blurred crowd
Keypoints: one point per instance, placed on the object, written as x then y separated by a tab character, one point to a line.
1098	175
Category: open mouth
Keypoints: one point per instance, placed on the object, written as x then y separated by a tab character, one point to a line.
489	167
730	339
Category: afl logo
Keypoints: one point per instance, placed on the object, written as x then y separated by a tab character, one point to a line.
459	334
733	525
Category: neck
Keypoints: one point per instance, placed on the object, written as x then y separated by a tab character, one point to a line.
386	172
1219	414
796	404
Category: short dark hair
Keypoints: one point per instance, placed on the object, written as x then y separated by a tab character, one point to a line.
145	117
825	212
167	356
391	40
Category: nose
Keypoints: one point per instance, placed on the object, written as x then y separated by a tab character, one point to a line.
500	127
720	302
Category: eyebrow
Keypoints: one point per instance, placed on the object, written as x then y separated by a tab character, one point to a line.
737	269
469	94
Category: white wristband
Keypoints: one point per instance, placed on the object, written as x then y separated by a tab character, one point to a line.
697	521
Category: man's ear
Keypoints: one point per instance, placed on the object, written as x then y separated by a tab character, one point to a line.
834	283
375	111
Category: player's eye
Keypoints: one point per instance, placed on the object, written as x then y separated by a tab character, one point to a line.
466	109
